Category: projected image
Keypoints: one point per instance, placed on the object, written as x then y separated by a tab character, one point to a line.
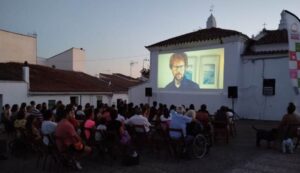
191	71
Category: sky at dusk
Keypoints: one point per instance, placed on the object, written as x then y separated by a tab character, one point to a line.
115	32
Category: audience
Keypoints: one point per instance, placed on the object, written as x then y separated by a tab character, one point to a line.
48	126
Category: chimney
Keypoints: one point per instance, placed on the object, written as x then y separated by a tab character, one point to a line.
26	72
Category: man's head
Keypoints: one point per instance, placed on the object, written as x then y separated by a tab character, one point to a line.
178	64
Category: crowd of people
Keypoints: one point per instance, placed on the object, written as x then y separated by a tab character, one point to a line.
70	124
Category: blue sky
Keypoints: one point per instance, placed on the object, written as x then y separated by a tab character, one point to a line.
114	32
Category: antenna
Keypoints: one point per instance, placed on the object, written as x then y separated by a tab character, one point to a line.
131	64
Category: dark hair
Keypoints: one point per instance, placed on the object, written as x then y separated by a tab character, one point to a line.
32	103
6	106
203	107
192	107
181	56
14	108
29	122
137	110
88	113
38	106
21	114
113	114
79	107
166	113
69	108
47	114
291	108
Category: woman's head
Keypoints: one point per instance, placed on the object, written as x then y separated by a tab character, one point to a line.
291	108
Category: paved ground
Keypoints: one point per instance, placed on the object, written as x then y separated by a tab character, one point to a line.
239	156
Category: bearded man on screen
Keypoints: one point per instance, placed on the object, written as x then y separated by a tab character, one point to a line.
178	65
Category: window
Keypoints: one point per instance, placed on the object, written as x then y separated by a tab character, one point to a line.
51	103
74	100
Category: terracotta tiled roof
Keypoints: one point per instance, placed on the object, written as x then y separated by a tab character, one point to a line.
273	36
269	37
274	52
45	79
200	35
119	82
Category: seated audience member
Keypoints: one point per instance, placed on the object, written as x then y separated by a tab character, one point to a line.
221	114
67	140
179	121
140	118
5	118
291	117
48	126
120	117
79	114
32	130
289	128
89	123
194	127
165	119
203	116
72	118
14	112
153	112
100	126
39	117
20	122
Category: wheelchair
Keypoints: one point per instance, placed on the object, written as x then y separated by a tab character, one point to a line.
197	144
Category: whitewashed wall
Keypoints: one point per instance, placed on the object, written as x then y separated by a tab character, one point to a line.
16	47
62	60
16	92
117	96
13	92
78	59
71	59
254	104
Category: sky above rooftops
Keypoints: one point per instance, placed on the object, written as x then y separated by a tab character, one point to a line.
114	32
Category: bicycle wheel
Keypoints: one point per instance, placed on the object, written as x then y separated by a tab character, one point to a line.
199	146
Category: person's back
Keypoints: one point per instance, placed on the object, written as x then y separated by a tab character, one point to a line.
289	122
178	121
202	116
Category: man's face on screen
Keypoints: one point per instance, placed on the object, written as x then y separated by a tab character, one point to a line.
178	68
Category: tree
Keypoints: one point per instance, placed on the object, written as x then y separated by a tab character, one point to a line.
145	73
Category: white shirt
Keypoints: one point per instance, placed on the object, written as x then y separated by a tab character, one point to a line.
120	118
139	120
48	127
98	136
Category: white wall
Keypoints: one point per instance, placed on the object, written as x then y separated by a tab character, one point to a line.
16	92
62	61
78	59
71	59
117	96
254	104
16	47
13	92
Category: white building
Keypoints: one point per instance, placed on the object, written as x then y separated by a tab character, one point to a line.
219	58
71	59
16	47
